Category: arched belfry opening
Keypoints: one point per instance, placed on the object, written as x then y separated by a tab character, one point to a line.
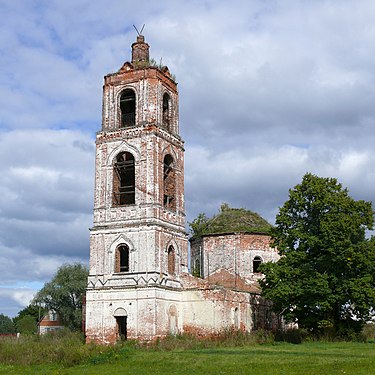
171	260
169	182
122	258
127	107
124	179
167	111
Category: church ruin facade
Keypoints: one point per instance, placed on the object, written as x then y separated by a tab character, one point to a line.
139	285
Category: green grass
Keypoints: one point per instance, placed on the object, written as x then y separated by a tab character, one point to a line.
278	358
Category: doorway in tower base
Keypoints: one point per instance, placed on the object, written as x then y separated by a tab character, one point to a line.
121	317
122	329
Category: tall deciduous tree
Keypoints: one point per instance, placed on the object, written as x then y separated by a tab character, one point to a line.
36	311
27	319
6	325
325	278
26	325
64	294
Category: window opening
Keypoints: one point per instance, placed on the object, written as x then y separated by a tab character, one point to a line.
256	263
122	259
124	179
127	106
53	316
169	183
166	110
171	261
197	268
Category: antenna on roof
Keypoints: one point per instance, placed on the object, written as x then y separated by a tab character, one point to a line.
139	32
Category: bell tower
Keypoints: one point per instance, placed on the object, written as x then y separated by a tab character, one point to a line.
138	244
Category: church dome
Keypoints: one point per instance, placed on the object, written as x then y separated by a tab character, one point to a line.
231	220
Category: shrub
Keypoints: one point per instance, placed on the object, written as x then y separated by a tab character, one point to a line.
65	349
292	335
264	337
223	338
368	332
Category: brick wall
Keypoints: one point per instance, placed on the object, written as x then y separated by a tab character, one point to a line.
232	252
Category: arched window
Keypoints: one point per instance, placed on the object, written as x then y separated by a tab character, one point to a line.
171	261
166	110
124	179
257	261
127	107
122	259
169	183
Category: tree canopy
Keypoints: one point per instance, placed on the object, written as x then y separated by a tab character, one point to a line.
64	294
6	325
325	278
26	325
27	319
32	310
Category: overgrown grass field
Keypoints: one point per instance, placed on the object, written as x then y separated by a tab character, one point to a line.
185	355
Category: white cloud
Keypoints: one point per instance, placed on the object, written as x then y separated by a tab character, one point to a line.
259	178
13	300
23	296
45	201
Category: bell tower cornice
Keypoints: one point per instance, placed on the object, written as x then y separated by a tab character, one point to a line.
116	135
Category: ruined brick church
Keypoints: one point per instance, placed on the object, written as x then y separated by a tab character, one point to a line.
139	283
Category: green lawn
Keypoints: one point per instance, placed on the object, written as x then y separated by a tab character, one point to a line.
280	358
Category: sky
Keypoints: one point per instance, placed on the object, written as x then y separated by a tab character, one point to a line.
269	90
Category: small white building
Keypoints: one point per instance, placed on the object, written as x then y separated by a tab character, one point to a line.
50	323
